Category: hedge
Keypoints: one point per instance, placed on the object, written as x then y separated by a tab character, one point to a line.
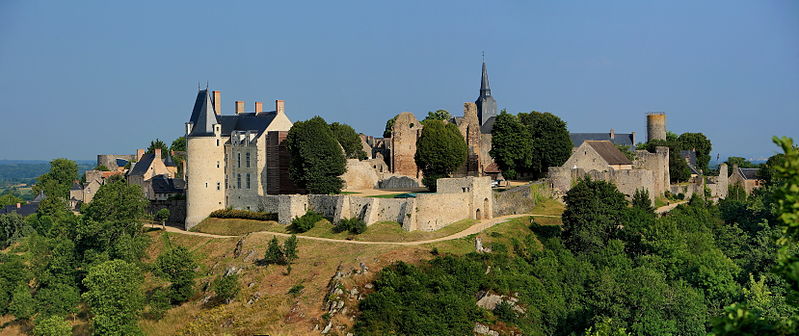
244	214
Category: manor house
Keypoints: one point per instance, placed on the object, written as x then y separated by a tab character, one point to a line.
233	160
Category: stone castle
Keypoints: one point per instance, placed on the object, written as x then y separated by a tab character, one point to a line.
233	160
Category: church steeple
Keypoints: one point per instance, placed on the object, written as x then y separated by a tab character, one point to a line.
486	105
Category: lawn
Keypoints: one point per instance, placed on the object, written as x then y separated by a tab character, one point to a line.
549	207
236	226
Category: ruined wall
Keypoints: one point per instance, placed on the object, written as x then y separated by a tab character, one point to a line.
469	127
658	163
627	181
431	214
110	160
398	183
403	145
513	201
177	210
362	174
485	147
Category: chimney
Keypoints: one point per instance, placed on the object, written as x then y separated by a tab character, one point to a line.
217	97
280	106
19	205
239	107
612	134
259	107
158	153
139	154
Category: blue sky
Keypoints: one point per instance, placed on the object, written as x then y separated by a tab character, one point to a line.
79	78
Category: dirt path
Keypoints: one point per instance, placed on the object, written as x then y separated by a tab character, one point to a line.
476	228
667	208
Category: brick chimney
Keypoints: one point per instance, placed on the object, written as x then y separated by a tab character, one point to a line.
612	134
280	106
217	97
19	205
259	107
158	153
239	107
139	154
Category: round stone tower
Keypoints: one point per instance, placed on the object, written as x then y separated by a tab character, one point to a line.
205	162
655	126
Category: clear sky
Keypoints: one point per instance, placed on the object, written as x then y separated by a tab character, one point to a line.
80	78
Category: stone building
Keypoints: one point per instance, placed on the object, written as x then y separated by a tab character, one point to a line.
81	193
747	178
623	139
147	167
233	160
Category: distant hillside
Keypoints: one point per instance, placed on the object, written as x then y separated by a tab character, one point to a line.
25	171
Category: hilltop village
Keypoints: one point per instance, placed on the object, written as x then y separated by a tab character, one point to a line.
241	161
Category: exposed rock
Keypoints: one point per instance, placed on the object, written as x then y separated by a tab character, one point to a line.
478	246
254	298
249	285
368	286
364	268
490	301
232	270
483	329
250	255
354	292
237	249
327	328
206	299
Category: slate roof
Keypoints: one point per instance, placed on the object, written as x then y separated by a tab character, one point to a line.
169	162
488	126
609	152
140	168
76	186
204	117
749	173
164	185
625	139
24	209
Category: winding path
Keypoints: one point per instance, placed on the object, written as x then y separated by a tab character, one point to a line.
476	228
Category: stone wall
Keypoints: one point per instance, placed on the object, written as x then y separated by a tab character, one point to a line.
658	163
434	211
627	181
403	145
362	174
398	183
177	210
109	160
513	201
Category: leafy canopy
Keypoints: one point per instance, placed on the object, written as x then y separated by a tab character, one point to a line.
440	150
317	161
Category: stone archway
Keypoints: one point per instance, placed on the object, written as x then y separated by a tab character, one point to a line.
478	215
486	208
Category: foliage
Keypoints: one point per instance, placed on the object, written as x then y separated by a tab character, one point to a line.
767	171
102	168
162	215
626	151
114	296
57	299
12	227
353	225
12	273
510	145
389	126
437	115
9	199
678	166
274	254
317	161
244	214
178	145
593	211
226	287
736	192
504	311
158	144
296	289
551	145
52	326
290	249
740	162
55	184
120	202
22	305
176	265
349	140
305	222
159	302
641	200
440	150
700	144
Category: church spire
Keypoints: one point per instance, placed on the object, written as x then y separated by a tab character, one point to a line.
485	90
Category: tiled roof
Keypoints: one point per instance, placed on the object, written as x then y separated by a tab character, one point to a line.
609	152
140	168
625	139
164	185
749	173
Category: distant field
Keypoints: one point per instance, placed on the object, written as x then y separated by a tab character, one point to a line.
17	171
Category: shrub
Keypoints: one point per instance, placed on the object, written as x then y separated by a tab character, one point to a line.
52	326
159	301
296	289
504	311
226	287
244	214
353	225
305	222
274	254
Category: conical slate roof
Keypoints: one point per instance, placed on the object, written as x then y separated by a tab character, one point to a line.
203	115
485	89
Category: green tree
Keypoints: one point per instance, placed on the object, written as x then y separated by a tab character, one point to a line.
305	222
176	264
641	200
274	254
178	145
440	150
389	126
290	249
52	326
551	145
55	184
349	140
739	161
317	161
511	145
12	227
437	115
114	295
226	287
158	143
593	212
120	202
57	299
767	170
700	144
162	215
22	305
7	198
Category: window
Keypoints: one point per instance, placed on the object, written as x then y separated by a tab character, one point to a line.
226	183
217	164
217	142
218	186
238	160
248	180
238	181
247	159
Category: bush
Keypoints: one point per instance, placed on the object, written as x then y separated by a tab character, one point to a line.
305	222
504	311
274	254
353	225
296	289
244	214
159	301
52	326
226	287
